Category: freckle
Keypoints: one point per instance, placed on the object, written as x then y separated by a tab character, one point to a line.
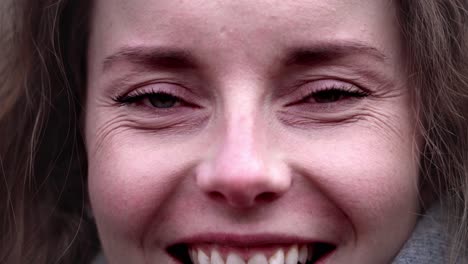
243	119
273	17
223	31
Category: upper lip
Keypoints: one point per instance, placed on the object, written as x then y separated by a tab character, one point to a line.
246	240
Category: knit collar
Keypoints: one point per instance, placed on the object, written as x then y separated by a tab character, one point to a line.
429	242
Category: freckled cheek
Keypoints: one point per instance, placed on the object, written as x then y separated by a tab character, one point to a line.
127	184
386	184
369	173
373	179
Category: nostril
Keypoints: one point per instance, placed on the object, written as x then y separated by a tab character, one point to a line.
266	197
217	196
243	198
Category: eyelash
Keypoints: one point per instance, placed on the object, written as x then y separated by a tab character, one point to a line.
138	96
342	90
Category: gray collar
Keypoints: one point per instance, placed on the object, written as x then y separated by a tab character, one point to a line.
429	241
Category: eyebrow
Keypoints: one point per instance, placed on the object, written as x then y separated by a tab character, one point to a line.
152	58
323	52
180	59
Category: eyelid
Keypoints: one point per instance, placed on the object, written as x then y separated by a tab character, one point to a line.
157	87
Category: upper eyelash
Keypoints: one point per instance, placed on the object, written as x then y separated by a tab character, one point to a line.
356	92
138	95
345	89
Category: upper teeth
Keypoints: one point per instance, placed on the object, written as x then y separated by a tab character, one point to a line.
295	254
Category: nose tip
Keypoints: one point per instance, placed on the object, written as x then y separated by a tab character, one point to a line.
243	184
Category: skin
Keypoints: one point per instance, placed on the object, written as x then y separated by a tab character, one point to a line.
243	153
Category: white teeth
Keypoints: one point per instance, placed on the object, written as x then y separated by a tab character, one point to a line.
233	258
303	254
216	257
203	258
296	254
292	255
258	259
278	257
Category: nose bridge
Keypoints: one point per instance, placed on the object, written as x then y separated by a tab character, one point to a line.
240	149
241	172
241	140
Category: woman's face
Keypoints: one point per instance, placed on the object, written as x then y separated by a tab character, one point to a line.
242	129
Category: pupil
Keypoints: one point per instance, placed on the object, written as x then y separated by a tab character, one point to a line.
328	96
162	100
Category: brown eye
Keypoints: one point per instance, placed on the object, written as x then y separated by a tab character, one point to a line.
162	100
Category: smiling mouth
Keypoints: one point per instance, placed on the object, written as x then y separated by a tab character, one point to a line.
206	253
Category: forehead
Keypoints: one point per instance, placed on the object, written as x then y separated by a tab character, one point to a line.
241	28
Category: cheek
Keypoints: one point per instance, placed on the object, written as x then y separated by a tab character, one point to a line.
130	176
369	169
372	177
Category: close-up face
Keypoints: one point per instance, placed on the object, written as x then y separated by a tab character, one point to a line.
237	131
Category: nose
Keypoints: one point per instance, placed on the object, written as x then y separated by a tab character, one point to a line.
243	173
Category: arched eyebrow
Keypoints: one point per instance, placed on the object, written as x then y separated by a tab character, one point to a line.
152	58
